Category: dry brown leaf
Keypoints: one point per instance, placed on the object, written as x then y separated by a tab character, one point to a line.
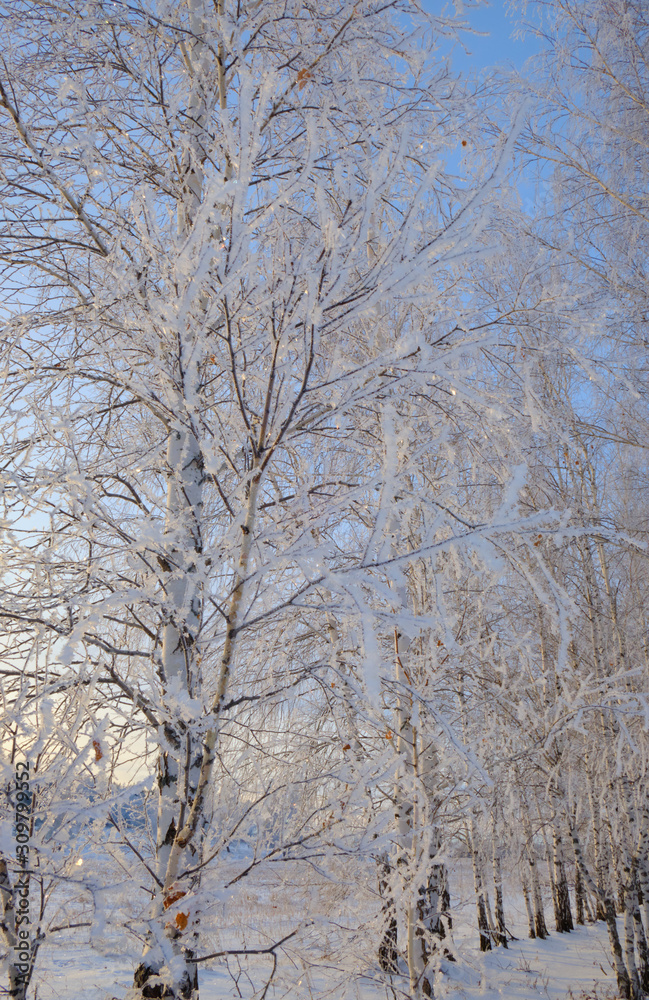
173	897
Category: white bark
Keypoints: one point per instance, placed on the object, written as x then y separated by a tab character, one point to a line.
408	826
18	976
624	985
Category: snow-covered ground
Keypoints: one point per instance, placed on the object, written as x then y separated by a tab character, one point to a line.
575	966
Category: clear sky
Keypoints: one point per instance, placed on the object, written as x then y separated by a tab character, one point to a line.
495	46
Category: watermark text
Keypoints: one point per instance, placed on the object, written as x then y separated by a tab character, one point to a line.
23	827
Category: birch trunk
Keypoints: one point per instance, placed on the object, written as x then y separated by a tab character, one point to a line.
388	953
19	973
580	897
551	879
642	948
636	953
178	770
540	926
563	912
500	928
539	913
484	930
434	897
168	968
623	981
601	865
388	950
531	932
409	834
642	858
629	946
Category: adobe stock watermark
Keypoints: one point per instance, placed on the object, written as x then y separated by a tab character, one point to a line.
23	825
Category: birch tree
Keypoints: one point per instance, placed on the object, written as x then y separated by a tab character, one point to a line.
217	222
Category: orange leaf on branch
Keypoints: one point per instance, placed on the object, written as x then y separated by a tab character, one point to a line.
173	897
303	76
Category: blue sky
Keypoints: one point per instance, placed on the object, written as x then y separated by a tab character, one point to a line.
496	47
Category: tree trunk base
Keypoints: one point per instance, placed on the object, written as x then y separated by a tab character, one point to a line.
148	985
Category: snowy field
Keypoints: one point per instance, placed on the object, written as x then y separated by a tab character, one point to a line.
574	966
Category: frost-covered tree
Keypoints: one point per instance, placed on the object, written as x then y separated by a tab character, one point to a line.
229	249
590	144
